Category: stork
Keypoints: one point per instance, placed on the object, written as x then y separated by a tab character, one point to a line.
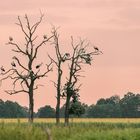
96	48
13	64
44	36
38	66
10	38
67	54
2	69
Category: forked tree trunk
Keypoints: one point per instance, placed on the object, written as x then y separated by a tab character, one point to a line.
67	111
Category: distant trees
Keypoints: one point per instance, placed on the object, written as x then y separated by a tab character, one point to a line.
109	107
112	100
128	106
46	112
9	109
77	109
104	111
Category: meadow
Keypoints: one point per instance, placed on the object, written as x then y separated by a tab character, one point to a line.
79	129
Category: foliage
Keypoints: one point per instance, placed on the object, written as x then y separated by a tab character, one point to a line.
128	106
76	108
11	109
104	111
46	112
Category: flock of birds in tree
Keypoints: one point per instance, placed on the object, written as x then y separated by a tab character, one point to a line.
39	65
13	63
11	39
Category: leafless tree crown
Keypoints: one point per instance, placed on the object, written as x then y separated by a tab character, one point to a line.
24	74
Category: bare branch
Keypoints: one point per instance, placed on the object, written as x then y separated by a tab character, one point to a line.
34	27
56	43
43	42
20	63
22	28
11	92
19	50
37	86
80	56
49	68
55	85
53	60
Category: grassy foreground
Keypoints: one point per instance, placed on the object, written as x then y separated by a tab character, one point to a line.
80	129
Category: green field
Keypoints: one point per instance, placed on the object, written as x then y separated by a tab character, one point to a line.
79	129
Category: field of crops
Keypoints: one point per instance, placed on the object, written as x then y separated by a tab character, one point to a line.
79	129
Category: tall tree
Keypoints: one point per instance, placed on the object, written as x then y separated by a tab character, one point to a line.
60	59
25	74
81	55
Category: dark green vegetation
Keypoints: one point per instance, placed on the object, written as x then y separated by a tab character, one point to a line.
113	107
11	109
46	112
76	131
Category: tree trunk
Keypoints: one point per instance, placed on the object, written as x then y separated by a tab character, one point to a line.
31	108
67	110
58	94
58	111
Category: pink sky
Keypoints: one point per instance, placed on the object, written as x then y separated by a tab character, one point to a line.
113	25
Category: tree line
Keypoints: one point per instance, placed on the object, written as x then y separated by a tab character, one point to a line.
112	107
25	75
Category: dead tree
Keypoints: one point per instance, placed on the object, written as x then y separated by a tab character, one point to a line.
80	56
25	74
60	59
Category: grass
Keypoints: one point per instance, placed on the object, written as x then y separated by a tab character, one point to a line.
79	129
75	120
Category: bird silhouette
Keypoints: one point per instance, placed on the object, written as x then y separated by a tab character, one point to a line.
38	66
13	64
96	48
44	36
10	38
2	69
67	54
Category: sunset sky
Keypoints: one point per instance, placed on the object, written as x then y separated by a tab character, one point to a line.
112	25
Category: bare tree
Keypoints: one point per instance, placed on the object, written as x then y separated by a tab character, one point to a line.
80	56
25	74
60	59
